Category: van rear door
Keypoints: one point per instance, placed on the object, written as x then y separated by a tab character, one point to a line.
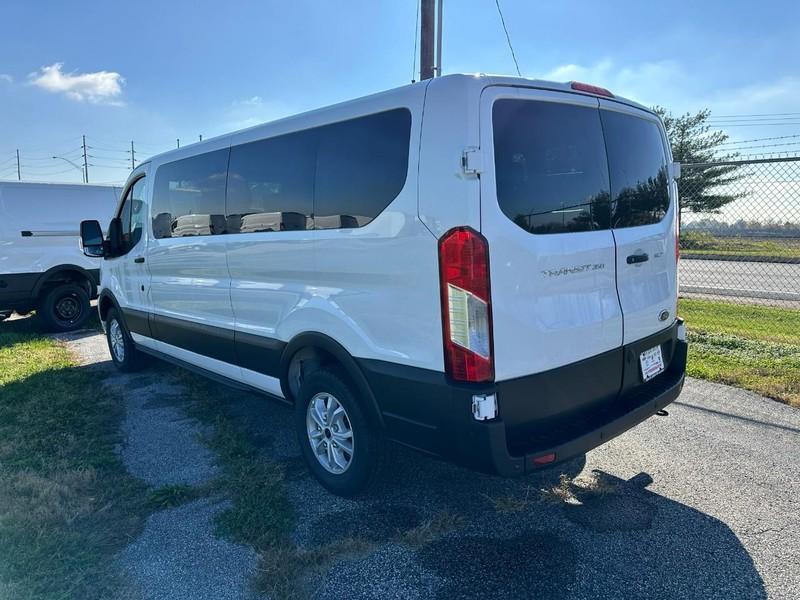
642	218
545	197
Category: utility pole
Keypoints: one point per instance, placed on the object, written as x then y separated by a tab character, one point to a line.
85	162
133	157
19	173
426	38
439	37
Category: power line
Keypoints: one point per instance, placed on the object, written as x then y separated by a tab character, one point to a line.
764	139
756	115
508	37
762	146
725	125
754	119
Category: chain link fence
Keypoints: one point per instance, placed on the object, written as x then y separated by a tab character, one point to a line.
746	246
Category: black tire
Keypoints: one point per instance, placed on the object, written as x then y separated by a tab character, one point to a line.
66	307
124	355
367	439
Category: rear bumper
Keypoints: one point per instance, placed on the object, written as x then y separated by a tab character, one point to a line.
565	412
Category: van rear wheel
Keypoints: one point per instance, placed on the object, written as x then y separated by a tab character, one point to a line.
342	449
66	307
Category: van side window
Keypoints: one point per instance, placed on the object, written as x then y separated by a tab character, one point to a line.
550	166
131	215
271	184
189	196
362	166
138	213
638	165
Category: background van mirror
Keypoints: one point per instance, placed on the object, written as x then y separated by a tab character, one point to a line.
92	238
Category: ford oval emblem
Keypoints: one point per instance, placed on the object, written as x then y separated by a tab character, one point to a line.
663	315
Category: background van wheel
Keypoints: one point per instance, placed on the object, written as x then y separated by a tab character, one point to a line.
341	446
65	307
120	345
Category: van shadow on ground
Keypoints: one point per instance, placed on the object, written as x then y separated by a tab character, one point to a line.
599	536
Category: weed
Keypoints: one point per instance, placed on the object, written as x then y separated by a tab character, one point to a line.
66	501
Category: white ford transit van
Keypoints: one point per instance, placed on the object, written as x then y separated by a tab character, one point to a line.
482	268
41	263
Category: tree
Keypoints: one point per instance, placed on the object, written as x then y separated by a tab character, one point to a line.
701	189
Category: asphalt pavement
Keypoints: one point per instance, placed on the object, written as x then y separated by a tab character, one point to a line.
702	503
752	280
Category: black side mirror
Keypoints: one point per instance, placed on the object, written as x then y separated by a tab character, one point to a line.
92	239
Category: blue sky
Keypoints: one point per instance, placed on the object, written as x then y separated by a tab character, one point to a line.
157	71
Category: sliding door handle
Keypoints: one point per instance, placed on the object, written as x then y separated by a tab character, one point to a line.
139	259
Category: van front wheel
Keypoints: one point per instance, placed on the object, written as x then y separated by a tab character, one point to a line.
120	345
341	447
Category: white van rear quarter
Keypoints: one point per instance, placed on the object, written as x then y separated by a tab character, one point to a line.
453	256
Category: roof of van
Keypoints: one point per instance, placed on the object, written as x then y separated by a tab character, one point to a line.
476	79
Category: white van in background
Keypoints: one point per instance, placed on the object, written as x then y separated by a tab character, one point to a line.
482	268
41	263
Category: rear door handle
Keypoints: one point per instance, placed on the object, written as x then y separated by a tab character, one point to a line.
637	258
140	259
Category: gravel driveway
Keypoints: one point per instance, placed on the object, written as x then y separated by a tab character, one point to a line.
699	504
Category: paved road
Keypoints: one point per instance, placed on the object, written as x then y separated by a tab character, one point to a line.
766	281
700	504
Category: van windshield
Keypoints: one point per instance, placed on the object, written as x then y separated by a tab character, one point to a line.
568	168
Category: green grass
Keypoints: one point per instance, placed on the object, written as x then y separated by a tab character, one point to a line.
696	242
750	346
66	502
261	514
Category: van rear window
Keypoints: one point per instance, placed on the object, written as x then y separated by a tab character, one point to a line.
568	168
638	166
550	166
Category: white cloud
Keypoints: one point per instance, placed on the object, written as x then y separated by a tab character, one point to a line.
252	101
648	83
100	87
252	111
7	78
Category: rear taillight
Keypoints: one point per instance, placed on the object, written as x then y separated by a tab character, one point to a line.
466	305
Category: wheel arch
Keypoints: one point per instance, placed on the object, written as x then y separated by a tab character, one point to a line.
327	350
105	302
64	274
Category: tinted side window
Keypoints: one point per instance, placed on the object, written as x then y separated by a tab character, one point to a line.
550	166
361	167
189	196
125	217
638	165
138	209
271	184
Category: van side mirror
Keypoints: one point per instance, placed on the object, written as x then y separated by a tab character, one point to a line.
92	239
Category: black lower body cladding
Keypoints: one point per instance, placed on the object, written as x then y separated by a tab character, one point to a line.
565	411
21	290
